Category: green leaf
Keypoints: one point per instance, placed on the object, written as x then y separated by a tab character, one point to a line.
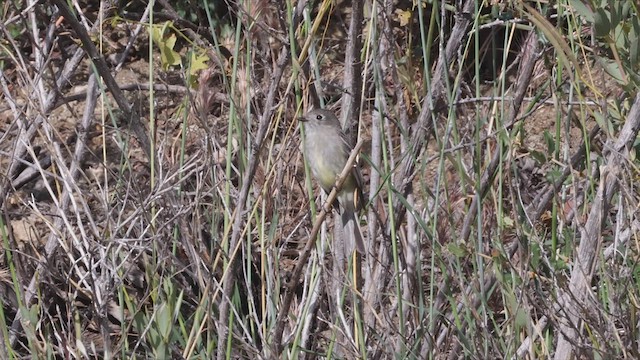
619	36
157	32
612	68
603	123
168	56
553	175
456	250
551	143
538	156
198	61
616	12
165	321
582	10
521	318
601	23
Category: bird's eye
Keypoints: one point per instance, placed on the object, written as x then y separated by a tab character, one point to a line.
318	117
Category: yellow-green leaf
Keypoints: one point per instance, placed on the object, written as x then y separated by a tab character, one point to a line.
404	16
198	62
168	56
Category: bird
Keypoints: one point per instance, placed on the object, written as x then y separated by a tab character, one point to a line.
327	150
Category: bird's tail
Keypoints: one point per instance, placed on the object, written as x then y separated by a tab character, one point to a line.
351	232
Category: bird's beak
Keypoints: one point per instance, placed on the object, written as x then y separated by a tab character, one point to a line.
302	118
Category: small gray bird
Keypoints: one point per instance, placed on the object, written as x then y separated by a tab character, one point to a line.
327	151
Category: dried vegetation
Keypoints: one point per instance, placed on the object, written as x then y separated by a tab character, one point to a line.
154	202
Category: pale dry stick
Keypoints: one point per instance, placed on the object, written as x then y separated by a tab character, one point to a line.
15	57
311	66
3	218
591	236
385	68
266	191
315	290
373	272
533	211
423	127
31	172
470	218
78	8
412	241
546	101
616	310
337	252
103	69
231	273
64	75
23	13
371	65
100	280
293	284
411	255
621	241
540	327
26	129
47	103
299	62
542	201
352	83
39	55
530	57
174	89
228	280
571	302
26	135
134	36
16	115
352	80
538	206
389	68
68	180
69	175
420	131
431	103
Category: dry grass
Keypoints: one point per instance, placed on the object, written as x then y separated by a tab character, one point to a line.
153	207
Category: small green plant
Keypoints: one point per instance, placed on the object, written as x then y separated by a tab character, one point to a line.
165	37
